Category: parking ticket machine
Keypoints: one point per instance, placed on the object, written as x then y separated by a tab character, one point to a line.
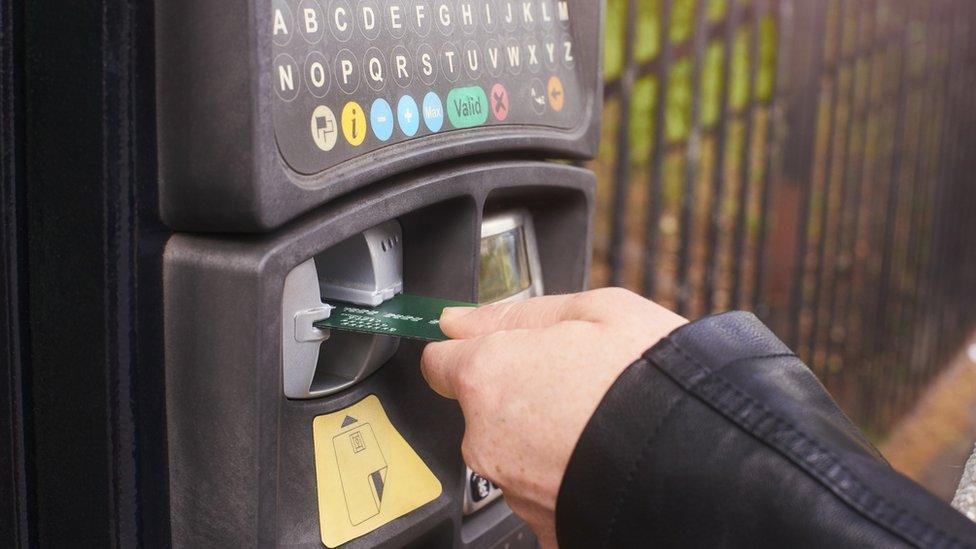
314	151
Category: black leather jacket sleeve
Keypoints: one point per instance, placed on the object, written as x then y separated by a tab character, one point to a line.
720	436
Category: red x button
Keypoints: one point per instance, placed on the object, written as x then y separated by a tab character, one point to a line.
499	102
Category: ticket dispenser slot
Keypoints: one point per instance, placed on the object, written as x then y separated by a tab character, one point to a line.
510	268
365	269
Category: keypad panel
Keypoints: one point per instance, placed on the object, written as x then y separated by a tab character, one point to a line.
354	76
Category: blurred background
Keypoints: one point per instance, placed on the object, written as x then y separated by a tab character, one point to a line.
809	161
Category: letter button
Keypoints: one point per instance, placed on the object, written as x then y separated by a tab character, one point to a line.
341	20
374	66
562	13
513	56
546	13
401	66
427	64
467	13
494	57
396	18
472	60
451	61
444	16
509	15
527	13
317	75
551	53
420	17
489	15
281	23
287	77
310	21
370	18
568	59
531	53
347	71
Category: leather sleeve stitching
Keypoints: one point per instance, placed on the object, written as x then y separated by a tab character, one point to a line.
635	467
761	422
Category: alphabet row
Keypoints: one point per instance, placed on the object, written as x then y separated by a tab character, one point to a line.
473	60
418	15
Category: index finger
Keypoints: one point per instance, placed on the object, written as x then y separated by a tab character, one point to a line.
538	312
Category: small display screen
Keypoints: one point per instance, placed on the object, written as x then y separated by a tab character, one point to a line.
504	266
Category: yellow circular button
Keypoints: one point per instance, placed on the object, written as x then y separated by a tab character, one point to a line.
557	96
354	123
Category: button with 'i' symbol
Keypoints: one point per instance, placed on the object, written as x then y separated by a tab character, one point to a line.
354	123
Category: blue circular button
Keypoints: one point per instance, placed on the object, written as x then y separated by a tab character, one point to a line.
381	119
433	112
408	115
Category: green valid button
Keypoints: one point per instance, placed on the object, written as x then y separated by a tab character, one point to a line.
467	107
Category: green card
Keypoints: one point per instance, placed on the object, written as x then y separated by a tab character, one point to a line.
405	315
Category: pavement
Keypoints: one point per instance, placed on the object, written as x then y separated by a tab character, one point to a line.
932	442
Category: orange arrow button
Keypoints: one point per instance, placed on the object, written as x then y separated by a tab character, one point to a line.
557	96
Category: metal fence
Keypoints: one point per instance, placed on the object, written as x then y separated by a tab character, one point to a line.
808	160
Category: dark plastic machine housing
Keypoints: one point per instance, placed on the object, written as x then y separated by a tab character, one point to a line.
221	163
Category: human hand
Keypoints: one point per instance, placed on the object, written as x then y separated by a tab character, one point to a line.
529	376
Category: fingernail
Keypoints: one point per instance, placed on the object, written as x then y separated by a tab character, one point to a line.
453	313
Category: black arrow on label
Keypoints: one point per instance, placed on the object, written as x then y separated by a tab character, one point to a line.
348	421
378	483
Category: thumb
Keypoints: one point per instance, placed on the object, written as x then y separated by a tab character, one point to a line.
439	364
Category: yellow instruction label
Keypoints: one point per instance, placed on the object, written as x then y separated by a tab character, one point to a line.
367	475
